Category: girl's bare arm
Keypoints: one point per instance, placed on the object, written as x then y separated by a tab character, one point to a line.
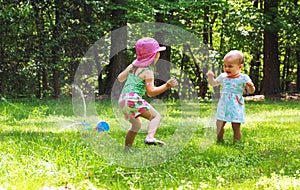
153	90
211	79
123	75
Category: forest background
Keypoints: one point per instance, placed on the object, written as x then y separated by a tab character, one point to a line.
43	42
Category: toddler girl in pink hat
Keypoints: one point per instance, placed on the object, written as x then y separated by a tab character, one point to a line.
139	78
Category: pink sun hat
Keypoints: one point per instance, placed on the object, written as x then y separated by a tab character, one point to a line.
146	49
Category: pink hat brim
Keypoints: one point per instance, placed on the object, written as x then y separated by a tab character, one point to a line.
147	61
162	48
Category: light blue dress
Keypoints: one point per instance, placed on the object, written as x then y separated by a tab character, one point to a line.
231	104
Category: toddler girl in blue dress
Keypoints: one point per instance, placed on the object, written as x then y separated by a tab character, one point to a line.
231	103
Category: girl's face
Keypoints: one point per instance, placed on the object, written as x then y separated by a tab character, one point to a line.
232	66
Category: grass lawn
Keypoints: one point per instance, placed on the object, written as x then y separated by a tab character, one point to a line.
38	151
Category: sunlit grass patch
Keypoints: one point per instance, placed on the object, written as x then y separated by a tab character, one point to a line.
38	150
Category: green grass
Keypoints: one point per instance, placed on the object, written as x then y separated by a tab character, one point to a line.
38	152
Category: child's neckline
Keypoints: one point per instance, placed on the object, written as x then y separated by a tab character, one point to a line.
234	77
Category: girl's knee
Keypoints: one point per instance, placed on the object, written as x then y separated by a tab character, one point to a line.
155	115
135	128
136	125
235	125
220	123
158	116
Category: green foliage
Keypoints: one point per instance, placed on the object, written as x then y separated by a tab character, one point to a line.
46	40
36	154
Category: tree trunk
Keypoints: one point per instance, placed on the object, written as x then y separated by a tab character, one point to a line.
4	32
207	37
163	65
298	70
56	85
182	90
1	83
207	40
55	52
39	46
118	56
254	69
285	77
45	81
271	78
205	24
298	58
256	51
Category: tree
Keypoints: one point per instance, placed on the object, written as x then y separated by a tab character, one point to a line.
297	49
118	56
271	75
298	70
43	42
163	66
256	48
56	30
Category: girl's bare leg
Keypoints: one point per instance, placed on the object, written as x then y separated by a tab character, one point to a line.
154	117
220	129
237	135
132	132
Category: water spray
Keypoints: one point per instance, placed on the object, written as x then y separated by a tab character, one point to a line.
101	125
11	104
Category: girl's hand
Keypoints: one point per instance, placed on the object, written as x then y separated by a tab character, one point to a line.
171	83
211	79
249	84
250	87
210	74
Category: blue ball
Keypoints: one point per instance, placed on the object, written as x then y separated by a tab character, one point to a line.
102	126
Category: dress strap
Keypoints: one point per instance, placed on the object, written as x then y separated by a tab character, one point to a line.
142	70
